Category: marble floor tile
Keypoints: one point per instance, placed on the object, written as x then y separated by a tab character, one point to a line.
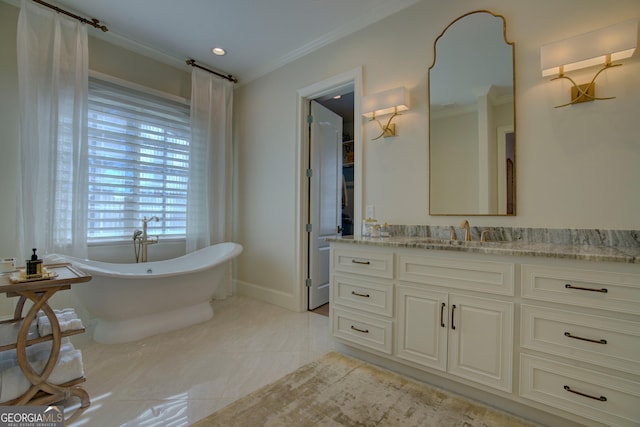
177	378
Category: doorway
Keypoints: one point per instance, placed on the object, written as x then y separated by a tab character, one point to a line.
325	197
340	95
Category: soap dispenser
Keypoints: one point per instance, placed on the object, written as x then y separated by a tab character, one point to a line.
34	266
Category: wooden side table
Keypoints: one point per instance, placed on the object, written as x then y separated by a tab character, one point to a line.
15	334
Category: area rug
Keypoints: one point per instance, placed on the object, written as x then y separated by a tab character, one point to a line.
337	390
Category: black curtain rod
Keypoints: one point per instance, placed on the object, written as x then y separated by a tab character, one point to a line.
93	22
96	24
229	77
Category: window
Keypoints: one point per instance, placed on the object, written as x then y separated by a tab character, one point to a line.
138	163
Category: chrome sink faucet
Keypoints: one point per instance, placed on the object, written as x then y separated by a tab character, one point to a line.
467	230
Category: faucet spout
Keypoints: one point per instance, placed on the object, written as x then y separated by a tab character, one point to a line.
467	230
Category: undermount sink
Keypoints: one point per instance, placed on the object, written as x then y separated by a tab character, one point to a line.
433	240
441	241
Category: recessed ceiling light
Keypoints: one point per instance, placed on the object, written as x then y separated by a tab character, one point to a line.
337	97
218	51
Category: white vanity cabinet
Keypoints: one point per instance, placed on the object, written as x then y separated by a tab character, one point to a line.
580	341
362	297
446	313
464	335
557	335
440	326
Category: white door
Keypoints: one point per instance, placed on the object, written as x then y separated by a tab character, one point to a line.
325	203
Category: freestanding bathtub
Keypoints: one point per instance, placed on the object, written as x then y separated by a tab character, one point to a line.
133	301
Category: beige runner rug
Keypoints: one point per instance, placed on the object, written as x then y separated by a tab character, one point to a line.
337	390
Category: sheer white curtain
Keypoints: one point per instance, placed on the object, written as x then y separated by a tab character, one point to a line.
209	195
52	75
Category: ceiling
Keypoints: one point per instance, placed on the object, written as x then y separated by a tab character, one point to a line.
258	35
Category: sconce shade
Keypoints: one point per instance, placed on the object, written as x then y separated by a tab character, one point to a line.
589	49
387	102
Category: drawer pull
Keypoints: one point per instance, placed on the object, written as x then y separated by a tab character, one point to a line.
442	315
360	295
601	398
453	309
570	286
568	334
364	331
355	261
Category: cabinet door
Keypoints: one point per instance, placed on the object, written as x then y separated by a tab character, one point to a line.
481	340
422	326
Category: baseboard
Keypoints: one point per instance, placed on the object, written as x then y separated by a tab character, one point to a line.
271	296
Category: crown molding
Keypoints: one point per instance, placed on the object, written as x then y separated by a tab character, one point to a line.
381	12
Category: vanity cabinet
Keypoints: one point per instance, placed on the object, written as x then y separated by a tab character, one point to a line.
557	335
362	298
464	335
580	341
435	312
439	325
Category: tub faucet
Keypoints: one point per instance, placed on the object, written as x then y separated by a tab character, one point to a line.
467	231
141	240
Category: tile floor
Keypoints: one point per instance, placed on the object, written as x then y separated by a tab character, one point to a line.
177	378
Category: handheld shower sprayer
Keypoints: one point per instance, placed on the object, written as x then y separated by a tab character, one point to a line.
141	240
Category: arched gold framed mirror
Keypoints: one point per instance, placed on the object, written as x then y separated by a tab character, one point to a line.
471	92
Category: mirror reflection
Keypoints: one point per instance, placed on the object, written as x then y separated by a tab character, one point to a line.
472	118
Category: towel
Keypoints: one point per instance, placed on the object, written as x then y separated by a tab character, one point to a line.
67	319
69	367
39	351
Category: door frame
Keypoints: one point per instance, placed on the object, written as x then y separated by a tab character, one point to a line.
302	196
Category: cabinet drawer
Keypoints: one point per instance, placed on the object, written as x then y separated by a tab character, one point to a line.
594	395
587	288
363	330
605	341
482	276
370	263
367	295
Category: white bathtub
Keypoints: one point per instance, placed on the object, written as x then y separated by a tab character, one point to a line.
133	301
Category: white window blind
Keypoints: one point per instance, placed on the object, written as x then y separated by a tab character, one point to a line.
138	163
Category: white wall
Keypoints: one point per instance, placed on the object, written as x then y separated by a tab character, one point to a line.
576	167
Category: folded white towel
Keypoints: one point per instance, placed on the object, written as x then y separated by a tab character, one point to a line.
14	383
39	351
67	319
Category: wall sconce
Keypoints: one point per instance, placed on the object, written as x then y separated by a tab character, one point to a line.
390	101
599	47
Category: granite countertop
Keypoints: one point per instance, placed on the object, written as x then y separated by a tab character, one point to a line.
589	252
